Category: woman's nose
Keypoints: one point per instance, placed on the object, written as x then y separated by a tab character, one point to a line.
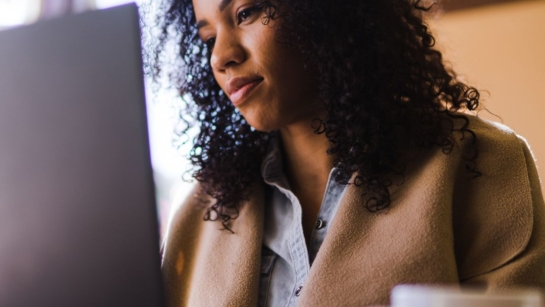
226	52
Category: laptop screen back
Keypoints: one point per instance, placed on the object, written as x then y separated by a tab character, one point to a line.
78	223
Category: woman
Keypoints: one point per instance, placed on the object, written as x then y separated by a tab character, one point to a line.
335	161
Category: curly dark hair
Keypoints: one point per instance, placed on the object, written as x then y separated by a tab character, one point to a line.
384	86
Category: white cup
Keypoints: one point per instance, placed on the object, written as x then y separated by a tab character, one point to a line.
427	296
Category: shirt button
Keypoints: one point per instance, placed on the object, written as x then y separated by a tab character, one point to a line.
298	291
319	224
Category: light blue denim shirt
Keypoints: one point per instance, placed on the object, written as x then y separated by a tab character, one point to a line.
286	260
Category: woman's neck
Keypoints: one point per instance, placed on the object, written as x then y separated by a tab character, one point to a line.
305	158
307	166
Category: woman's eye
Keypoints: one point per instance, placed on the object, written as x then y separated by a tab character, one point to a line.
210	43
245	14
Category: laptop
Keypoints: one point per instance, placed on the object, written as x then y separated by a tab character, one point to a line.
78	222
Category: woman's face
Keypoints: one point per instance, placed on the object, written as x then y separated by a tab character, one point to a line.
263	78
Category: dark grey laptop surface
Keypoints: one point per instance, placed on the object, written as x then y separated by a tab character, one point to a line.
78	225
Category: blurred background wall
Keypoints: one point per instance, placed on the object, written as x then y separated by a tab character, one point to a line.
501	50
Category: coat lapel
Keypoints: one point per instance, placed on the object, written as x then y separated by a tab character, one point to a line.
204	266
365	254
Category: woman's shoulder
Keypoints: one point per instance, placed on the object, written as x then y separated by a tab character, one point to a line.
489	148
187	212
494	213
495	135
502	157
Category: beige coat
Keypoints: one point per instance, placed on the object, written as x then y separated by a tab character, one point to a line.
441	228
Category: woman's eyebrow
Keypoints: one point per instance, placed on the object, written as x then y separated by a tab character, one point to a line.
223	4
201	24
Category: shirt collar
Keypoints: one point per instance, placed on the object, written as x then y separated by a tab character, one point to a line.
272	169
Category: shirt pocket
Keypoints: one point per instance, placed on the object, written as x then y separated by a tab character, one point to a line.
268	258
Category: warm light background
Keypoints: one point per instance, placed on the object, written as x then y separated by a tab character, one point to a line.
501	50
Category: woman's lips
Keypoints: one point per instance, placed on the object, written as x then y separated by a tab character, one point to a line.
238	95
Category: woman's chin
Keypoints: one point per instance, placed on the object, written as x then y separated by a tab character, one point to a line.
261	124
263	128
261	119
